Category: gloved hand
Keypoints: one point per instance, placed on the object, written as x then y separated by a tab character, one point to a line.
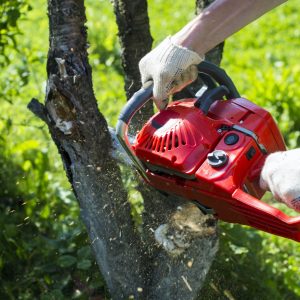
170	67
281	175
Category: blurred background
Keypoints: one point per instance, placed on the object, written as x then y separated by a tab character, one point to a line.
44	248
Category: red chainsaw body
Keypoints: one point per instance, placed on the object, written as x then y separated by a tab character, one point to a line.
175	144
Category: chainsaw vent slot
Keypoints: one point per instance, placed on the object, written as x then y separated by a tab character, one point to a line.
169	139
176	140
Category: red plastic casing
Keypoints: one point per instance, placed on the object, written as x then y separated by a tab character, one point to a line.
174	145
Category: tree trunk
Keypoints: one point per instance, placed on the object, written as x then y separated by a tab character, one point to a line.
171	257
83	140
181	270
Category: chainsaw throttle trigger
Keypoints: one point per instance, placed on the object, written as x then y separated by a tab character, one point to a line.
205	101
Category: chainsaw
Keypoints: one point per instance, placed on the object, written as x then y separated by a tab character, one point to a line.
210	150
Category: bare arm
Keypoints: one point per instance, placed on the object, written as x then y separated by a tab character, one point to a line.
172	64
220	20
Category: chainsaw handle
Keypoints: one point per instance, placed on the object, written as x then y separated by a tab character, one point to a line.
220	76
138	99
143	95
260	215
205	101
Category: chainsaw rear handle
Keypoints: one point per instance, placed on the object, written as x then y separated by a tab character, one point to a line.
205	101
262	216
142	96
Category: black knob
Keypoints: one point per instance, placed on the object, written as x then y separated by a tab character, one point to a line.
231	139
217	158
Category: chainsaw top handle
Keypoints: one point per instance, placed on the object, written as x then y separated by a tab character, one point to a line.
210	75
135	103
218	75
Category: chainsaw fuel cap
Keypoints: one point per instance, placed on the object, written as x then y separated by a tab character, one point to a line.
217	158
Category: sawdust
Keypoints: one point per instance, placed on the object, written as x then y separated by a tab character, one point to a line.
185	225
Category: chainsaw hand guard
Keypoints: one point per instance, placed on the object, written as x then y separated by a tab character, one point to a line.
210	150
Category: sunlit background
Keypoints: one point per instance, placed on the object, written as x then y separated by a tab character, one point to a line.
44	249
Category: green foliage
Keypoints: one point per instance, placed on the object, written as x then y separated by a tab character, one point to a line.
44	250
253	265
10	13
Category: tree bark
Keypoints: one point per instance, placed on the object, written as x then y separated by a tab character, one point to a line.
136	41
83	140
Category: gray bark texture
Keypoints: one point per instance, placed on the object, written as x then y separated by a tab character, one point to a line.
187	254
170	257
83	140
136	41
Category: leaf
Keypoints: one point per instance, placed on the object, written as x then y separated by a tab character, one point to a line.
66	261
13	15
27	165
53	295
84	252
45	213
27	145
85	264
238	250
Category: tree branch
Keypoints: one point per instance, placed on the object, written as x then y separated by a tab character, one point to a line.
38	109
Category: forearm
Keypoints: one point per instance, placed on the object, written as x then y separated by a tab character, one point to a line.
220	20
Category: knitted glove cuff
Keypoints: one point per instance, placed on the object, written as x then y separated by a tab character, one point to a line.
183	56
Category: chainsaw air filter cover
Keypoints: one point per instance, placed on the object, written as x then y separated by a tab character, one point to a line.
177	139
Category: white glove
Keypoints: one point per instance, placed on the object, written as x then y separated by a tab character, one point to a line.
170	67
281	175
